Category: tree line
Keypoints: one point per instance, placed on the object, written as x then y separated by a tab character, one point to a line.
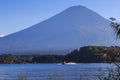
86	54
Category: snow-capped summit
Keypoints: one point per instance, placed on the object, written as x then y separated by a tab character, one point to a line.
72	28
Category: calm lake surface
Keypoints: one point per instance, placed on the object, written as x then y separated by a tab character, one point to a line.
52	71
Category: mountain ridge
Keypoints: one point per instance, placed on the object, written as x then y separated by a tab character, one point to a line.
74	27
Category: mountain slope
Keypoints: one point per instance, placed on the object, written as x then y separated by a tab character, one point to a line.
74	27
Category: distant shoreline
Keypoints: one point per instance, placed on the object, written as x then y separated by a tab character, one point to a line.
86	54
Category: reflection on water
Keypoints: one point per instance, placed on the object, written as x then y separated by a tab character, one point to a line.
52	71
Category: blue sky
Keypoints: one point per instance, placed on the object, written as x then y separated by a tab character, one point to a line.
16	15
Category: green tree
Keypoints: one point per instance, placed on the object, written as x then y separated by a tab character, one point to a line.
116	27
114	73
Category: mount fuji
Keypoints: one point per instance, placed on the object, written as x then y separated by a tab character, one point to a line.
72	28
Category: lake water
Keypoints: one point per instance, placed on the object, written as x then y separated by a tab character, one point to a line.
52	71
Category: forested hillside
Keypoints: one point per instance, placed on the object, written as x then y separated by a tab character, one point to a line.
87	54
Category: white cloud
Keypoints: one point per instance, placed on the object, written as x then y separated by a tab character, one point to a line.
1	35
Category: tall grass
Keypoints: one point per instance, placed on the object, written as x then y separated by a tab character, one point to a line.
22	77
